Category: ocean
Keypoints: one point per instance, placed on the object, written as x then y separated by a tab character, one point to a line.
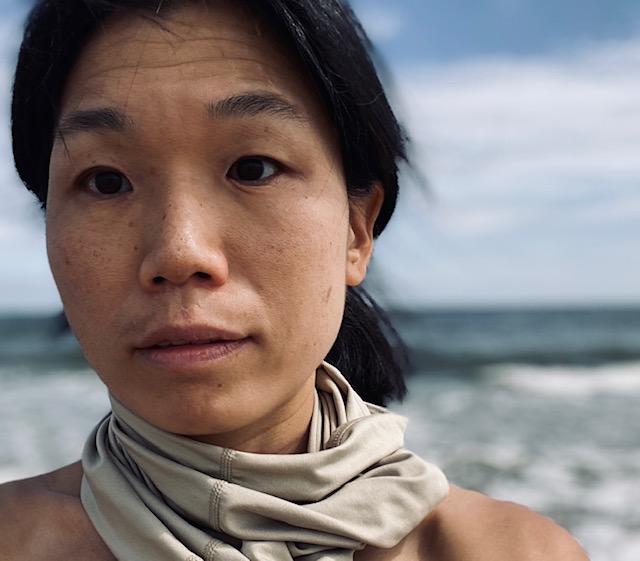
534	406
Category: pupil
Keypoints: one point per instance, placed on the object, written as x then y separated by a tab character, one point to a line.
250	170
108	182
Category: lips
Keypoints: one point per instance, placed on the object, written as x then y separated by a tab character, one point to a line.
167	344
181	349
178	336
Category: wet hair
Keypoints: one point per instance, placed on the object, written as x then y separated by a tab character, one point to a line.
336	53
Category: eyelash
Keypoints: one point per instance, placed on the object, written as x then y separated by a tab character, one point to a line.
258	163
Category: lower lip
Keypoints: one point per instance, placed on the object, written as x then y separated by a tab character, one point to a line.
189	356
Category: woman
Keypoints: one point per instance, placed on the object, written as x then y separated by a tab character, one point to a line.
214	174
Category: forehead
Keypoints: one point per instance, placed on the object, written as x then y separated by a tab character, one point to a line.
209	50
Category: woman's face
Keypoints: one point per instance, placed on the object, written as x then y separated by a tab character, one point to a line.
198	225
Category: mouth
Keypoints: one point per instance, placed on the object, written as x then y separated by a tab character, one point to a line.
169	344
177	348
188	336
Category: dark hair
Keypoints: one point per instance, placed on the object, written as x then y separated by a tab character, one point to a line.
336	53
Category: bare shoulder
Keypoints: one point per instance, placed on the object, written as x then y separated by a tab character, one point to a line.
470	526
42	518
20	503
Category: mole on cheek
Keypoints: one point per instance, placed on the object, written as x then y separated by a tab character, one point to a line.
328	294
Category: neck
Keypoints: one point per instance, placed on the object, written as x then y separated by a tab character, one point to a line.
284	432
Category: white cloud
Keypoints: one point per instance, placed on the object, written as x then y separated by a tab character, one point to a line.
614	211
380	23
526	116
535	168
478	220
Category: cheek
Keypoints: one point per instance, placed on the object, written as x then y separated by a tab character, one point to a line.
85	273
68	266
306	280
67	260
306	251
85	270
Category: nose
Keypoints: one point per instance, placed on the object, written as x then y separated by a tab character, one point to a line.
181	245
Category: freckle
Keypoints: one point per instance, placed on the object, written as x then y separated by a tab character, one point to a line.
135	248
131	224
219	386
67	261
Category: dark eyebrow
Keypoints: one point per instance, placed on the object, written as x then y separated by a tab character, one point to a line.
255	105
92	120
108	119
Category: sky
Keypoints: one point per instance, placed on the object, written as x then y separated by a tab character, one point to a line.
525	121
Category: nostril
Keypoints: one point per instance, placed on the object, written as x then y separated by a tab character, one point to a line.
158	280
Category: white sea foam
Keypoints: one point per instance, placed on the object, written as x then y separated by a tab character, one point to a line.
615	379
511	434
45	419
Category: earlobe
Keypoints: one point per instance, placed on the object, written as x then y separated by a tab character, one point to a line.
362	216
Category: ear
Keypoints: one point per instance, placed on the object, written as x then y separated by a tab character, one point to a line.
363	213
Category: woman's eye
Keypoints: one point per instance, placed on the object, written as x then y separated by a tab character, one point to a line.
253	170
109	183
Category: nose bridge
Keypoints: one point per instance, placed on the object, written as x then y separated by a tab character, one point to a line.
181	239
177	221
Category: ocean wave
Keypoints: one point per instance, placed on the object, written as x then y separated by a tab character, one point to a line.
563	380
466	342
432	360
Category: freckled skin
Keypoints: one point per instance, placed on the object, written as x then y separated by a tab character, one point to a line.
188	244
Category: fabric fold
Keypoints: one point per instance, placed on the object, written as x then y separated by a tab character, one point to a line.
156	495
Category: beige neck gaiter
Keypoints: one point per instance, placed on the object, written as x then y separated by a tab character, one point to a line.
153	495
